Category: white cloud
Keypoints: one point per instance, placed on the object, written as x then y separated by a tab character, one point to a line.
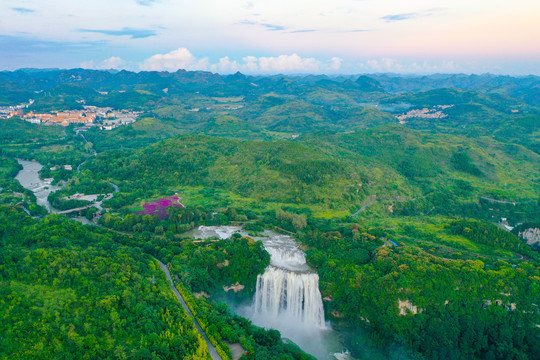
504	31
88	64
182	58
288	64
114	62
225	65
383	65
177	59
250	64
335	64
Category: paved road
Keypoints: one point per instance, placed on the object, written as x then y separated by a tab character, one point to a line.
116	189
86	141
364	207
211	348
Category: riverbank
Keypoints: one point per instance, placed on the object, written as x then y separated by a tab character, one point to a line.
30	179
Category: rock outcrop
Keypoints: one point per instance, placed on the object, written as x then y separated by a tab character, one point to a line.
407	305
531	235
236	288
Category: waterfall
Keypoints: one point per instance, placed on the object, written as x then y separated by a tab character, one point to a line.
287	296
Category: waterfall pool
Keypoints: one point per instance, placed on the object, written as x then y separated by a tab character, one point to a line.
287	296
288	299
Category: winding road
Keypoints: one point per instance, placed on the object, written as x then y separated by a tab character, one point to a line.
211	348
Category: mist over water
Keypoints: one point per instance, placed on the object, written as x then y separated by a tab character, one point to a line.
222	232
287	296
288	299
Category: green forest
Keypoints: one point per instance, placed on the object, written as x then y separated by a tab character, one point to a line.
407	223
71	292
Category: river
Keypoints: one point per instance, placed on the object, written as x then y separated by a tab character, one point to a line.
29	179
287	296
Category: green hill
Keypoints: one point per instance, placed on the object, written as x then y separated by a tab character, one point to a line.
325	171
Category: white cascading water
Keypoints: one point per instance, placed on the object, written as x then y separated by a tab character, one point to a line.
222	232
288	289
290	294
287	297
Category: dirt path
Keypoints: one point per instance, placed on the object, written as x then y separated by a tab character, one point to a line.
236	350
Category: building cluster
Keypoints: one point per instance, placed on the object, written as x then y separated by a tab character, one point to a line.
8	111
503	224
434	113
110	118
105	118
63	118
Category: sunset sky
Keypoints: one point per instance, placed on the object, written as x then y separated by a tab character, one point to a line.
278	36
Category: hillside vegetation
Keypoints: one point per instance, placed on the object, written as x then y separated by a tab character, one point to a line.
325	172
400	190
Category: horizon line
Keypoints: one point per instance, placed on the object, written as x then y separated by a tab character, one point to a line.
112	70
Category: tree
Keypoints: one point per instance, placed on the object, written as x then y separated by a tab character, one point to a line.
88	146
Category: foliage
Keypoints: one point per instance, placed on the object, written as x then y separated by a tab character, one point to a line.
298	221
69	291
462	162
313	151
225	262
488	234
220	324
50	145
462	308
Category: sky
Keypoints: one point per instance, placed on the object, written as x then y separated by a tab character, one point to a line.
274	36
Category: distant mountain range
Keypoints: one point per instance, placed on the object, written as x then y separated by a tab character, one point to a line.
22	82
279	106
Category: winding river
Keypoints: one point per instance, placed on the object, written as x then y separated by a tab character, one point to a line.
287	297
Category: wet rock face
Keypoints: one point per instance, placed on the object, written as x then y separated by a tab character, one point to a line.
531	235
236	288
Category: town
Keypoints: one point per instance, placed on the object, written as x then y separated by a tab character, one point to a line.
105	118
425	113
